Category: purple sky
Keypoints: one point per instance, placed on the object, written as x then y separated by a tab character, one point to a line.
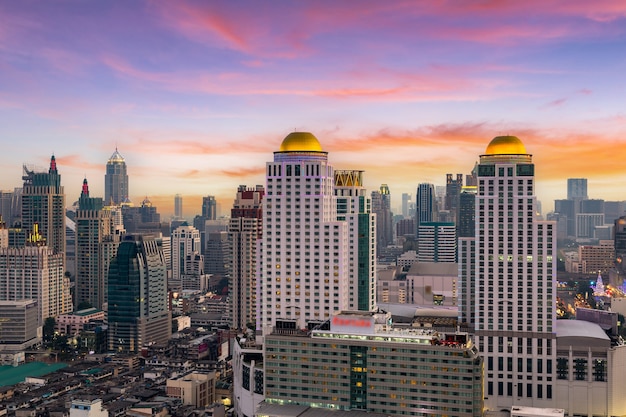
197	95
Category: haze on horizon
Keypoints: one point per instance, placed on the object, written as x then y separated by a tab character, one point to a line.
197	95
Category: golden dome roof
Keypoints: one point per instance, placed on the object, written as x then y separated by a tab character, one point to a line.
506	145
300	141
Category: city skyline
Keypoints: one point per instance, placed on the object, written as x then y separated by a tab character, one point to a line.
196	96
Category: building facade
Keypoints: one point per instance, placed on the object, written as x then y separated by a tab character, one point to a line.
244	231
359	361
355	207
514	281
96	239
300	219
138	312
437	242
43	204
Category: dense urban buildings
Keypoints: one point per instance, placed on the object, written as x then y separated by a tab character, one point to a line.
115	180
244	230
513	280
138	312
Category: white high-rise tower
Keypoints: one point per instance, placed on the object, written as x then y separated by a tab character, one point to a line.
513	281
304	254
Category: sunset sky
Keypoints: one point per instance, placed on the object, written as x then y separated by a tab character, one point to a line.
197	95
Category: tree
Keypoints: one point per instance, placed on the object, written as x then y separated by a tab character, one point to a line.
83	305
48	329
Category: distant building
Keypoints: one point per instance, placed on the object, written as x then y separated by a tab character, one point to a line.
453	191
619	233
577	188
138	304
437	242
193	388
405	227
72	323
376	367
87	408
381	207
466	220
20	326
597	259
178	206
185	241
406	200
209	207
425	205
115	180
143	219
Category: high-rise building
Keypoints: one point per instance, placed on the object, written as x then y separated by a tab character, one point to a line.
96	241
619	236
381	206
303	262
185	241
43	203
138	312
453	190
577	188
35	272
406	199
355	207
115	180
514	281
217	253
11	206
425	204
178	206
144	219
209	207
244	230
466	220
437	242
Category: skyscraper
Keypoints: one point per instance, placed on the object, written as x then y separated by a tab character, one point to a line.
244	230
185	241
209	207
437	242
115	180
43	203
425	204
514	281
178	206
453	190
138	307
577	188
465	224
303	263
95	233
406	199
381	206
355	207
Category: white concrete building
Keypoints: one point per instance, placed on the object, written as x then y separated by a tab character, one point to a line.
304	256
185	241
514	281
88	408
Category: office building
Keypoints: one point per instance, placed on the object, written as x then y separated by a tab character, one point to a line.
244	231
96	241
360	361
437	242
11	206
87	407
209	207
185	241
43	203
300	219
577	189
467	207
138	304
115	180
19	326
178	207
381	207
619	235
425	205
514	281
586	224
406	201
596	259
217	255
355	207
144	219
453	190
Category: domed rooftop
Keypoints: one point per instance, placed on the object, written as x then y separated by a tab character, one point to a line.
300	142
506	145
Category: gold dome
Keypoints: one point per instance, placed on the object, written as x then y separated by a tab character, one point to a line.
506	145
300	142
